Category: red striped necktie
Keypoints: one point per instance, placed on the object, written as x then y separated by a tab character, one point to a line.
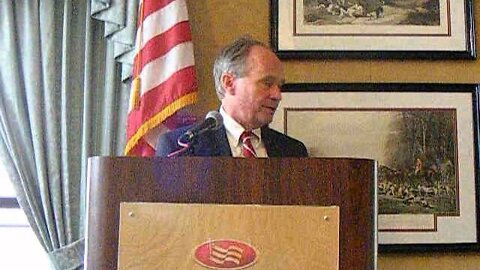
247	147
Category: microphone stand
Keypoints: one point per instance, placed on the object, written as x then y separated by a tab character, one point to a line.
213	121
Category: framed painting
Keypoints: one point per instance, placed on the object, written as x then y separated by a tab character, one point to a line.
395	29
424	138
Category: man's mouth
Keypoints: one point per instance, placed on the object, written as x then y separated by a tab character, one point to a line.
272	109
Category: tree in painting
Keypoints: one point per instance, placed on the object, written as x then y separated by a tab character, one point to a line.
420	171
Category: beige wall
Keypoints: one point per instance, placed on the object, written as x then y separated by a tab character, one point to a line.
217	22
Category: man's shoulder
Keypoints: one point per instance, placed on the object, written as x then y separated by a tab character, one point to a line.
167	142
175	133
279	136
286	145
209	143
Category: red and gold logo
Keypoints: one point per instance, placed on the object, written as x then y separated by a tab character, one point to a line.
225	254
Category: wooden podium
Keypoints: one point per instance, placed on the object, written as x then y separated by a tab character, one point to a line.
349	184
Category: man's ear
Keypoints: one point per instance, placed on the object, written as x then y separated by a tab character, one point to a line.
228	82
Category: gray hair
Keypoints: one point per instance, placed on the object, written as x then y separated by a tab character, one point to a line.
232	59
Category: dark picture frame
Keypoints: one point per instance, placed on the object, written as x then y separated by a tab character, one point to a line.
425	140
313	29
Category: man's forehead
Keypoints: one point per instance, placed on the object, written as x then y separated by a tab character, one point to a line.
265	60
259	52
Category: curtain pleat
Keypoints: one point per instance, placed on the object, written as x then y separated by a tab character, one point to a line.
61	101
120	18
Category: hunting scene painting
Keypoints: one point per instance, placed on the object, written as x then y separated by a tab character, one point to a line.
415	149
373	29
419	175
371	12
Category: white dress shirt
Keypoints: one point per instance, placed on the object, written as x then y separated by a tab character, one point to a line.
235	130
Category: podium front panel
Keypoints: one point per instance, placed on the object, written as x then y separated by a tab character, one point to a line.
195	236
347	183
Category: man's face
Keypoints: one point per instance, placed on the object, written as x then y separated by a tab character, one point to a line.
255	96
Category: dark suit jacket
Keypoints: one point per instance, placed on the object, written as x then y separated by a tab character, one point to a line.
215	143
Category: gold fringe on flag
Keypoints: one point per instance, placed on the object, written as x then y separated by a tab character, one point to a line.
158	118
136	86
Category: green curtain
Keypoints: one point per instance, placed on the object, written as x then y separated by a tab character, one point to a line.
61	101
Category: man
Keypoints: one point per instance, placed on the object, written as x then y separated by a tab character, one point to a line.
248	78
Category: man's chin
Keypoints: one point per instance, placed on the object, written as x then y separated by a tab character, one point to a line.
266	120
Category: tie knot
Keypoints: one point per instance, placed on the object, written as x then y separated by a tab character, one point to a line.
246	135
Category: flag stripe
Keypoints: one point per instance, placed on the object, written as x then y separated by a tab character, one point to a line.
142	148
156	100
152	6
160	69
161	20
161	44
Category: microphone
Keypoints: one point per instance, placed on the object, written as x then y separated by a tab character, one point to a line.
213	121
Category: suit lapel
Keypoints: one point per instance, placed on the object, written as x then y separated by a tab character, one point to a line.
214	143
272	148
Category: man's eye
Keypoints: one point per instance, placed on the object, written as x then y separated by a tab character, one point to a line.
268	83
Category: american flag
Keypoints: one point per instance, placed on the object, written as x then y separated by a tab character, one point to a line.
164	78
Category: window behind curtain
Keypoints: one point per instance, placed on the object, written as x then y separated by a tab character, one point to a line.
19	247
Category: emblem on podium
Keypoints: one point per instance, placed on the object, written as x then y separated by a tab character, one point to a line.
225	254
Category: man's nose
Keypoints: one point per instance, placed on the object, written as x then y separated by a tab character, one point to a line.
276	92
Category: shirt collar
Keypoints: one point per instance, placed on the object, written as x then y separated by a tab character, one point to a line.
234	128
